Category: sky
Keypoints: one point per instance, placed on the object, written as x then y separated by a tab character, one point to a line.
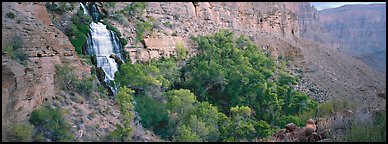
326	5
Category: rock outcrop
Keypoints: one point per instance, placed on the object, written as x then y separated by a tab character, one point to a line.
269	24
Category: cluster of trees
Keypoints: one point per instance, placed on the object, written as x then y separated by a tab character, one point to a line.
230	91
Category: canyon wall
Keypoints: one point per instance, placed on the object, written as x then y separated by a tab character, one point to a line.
362	30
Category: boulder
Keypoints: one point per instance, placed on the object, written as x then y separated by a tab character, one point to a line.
117	59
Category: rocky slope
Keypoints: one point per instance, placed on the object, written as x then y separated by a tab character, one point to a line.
25	87
361	29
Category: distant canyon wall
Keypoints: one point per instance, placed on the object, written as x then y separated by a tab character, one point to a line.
361	29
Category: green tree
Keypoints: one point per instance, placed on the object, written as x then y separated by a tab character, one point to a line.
181	51
140	76
142	27
152	112
124	99
180	101
185	134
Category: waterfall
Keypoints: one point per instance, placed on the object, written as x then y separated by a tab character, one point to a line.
102	43
84	8
103	47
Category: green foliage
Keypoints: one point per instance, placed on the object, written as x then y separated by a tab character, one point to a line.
327	108
185	134
228	74
123	41
167	24
231	71
152	112
79	29
135	9
142	76
169	69
11	15
284	120
59	8
263	129
64	76
202	118
109	26
51	123
124	99
308	115
84	86
180	101
142	27
369	132
13	48
181	51
22	132
242	111
67	80
241	127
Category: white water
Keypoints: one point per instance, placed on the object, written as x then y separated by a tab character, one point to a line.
103	46
102	43
84	8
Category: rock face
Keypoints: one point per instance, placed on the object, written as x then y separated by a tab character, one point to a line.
27	87
269	24
362	30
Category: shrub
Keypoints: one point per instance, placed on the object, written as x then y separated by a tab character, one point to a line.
123	41
308	115
181	51
51	123
284	120
21	132
13	48
141	28
369	132
84	86
78	31
135	8
325	109
59	8
152	112
11	15
64	76
112	28
167	24
152	19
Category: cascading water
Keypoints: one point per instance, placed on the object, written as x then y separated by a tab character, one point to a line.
102	43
